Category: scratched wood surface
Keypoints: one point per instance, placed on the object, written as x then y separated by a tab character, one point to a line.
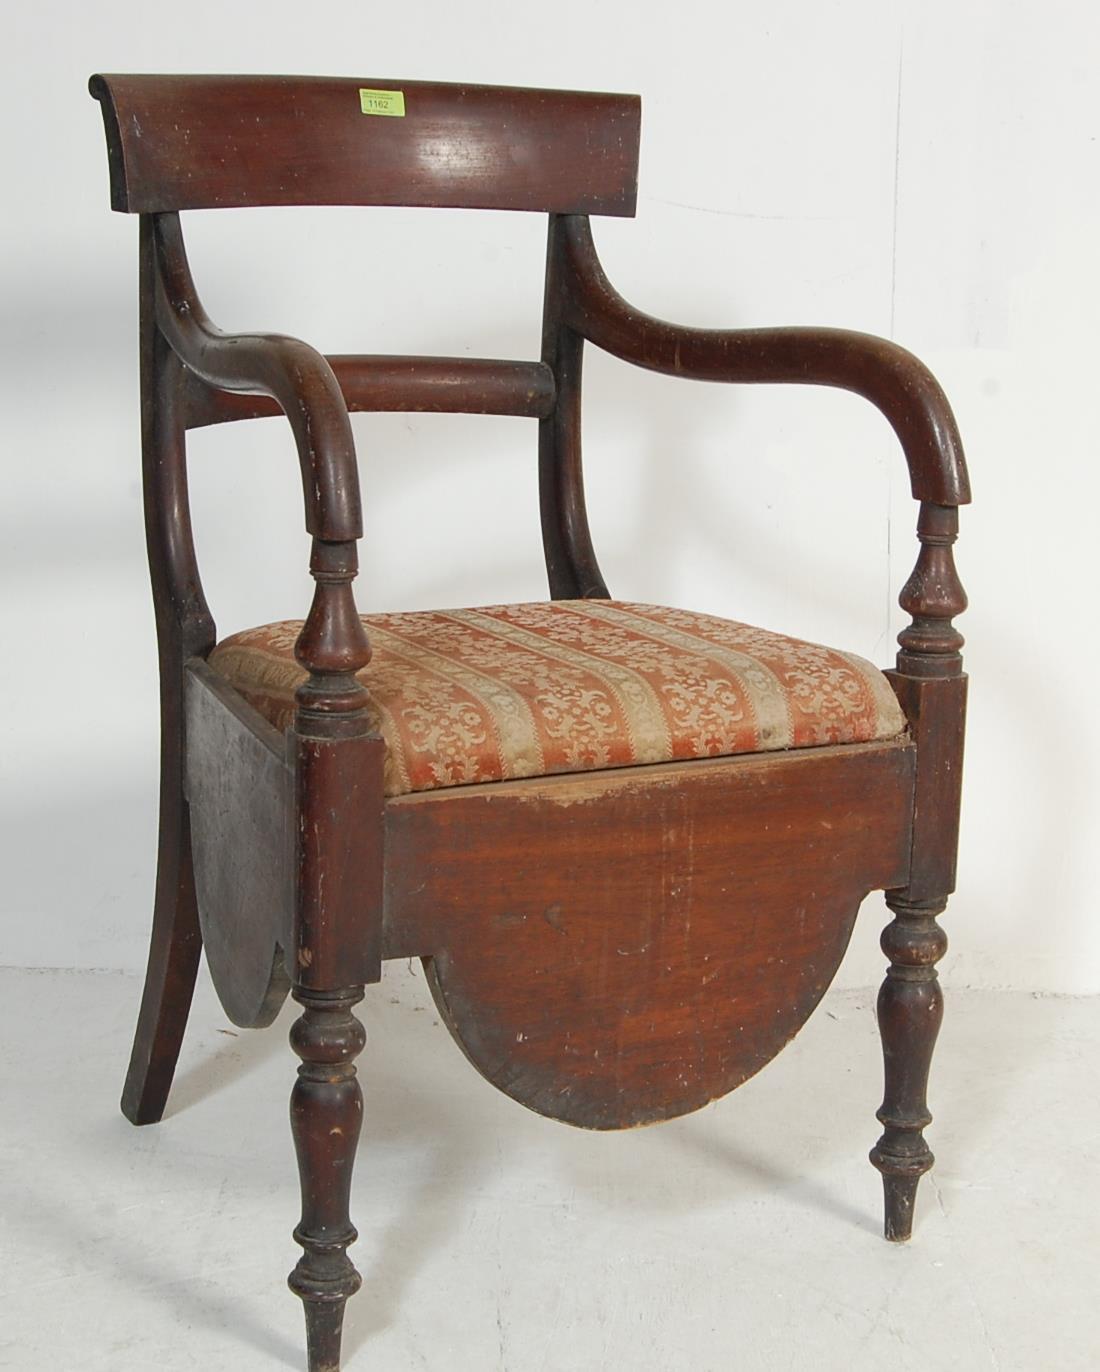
623	947
192	142
426	385
238	788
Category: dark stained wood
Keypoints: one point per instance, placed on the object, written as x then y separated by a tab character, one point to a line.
571	566
933	595
184	627
194	142
292	373
931	687
338	763
892	379
240	792
339	845
427	385
338	859
910	1012
651	937
936	710
610	948
326	1116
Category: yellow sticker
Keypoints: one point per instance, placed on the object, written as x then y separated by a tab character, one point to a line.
383	102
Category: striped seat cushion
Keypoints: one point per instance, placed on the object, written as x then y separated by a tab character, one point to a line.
464	696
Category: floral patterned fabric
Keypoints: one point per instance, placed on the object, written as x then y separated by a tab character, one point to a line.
465	696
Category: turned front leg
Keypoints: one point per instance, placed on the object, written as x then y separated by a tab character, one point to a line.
338	766
931	687
326	1114
910	1011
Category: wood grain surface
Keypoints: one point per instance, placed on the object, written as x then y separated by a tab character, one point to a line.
238	787
622	947
194	142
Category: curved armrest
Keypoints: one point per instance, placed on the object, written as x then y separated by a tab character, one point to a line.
892	379
292	373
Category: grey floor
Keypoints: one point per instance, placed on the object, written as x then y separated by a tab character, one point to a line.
742	1238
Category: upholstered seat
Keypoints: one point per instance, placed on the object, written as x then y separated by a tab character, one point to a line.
466	696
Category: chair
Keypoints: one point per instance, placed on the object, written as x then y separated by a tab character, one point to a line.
627	842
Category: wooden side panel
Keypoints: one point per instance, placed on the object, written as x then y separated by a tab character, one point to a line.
623	947
195	142
936	710
238	786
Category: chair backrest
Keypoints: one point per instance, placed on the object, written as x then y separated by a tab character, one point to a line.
198	142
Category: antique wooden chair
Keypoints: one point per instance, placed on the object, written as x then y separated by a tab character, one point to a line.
628	842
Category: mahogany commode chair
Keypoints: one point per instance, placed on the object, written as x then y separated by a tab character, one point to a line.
628	842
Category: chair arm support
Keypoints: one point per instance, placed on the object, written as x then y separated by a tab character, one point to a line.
893	380
290	372
332	645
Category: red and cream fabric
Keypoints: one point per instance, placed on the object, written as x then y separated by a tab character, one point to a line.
465	696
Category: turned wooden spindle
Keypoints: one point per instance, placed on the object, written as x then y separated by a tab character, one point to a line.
933	595
910	1011
326	1114
332	647
326	1104
931	686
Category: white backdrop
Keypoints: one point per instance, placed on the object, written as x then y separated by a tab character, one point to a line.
928	172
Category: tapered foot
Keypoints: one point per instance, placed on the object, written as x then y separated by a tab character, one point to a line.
910	1010
324	1322
900	1194
326	1111
173	966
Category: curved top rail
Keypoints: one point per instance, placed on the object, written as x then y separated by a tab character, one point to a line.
195	142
